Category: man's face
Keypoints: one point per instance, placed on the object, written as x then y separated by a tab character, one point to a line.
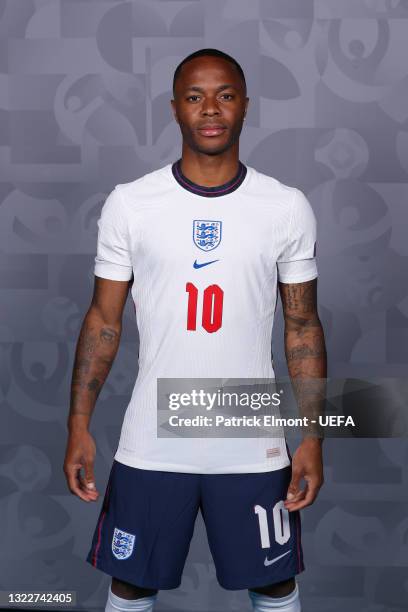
209	92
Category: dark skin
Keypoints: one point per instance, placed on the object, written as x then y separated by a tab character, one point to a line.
208	90
307	361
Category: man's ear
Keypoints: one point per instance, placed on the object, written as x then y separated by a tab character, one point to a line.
174	112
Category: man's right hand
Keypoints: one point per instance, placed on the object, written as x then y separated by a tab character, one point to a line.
96	348
80	454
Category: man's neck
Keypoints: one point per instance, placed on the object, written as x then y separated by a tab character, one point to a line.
209	170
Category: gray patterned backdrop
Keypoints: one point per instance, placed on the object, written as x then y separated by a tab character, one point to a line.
84	105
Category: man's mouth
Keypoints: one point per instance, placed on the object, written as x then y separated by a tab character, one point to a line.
215	130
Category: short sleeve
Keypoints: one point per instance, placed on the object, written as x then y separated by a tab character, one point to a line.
113	258
297	262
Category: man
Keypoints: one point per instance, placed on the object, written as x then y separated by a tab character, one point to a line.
205	241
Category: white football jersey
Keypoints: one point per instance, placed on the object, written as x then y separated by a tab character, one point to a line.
205	262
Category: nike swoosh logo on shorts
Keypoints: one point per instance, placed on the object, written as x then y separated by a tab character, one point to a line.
206	263
267	562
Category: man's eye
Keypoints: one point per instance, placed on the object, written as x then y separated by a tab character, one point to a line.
229	96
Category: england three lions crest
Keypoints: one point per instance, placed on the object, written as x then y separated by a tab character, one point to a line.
122	544
207	234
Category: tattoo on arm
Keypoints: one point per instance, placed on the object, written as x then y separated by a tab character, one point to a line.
313	348
305	348
304	339
96	350
108	335
299	301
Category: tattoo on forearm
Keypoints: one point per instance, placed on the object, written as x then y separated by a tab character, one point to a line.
87	343
108	335
304	350
82	366
96	350
94	385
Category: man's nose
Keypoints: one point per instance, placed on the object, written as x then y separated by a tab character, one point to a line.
210	107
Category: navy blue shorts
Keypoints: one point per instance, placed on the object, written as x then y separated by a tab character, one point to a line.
147	521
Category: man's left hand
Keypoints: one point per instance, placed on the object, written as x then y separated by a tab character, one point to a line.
306	463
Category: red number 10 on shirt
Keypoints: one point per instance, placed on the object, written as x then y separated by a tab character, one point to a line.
213	297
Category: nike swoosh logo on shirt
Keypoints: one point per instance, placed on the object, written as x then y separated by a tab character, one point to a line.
206	263
267	562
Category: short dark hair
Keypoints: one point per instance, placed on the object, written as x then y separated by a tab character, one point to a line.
214	53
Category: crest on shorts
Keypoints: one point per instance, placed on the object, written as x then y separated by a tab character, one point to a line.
122	544
207	234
